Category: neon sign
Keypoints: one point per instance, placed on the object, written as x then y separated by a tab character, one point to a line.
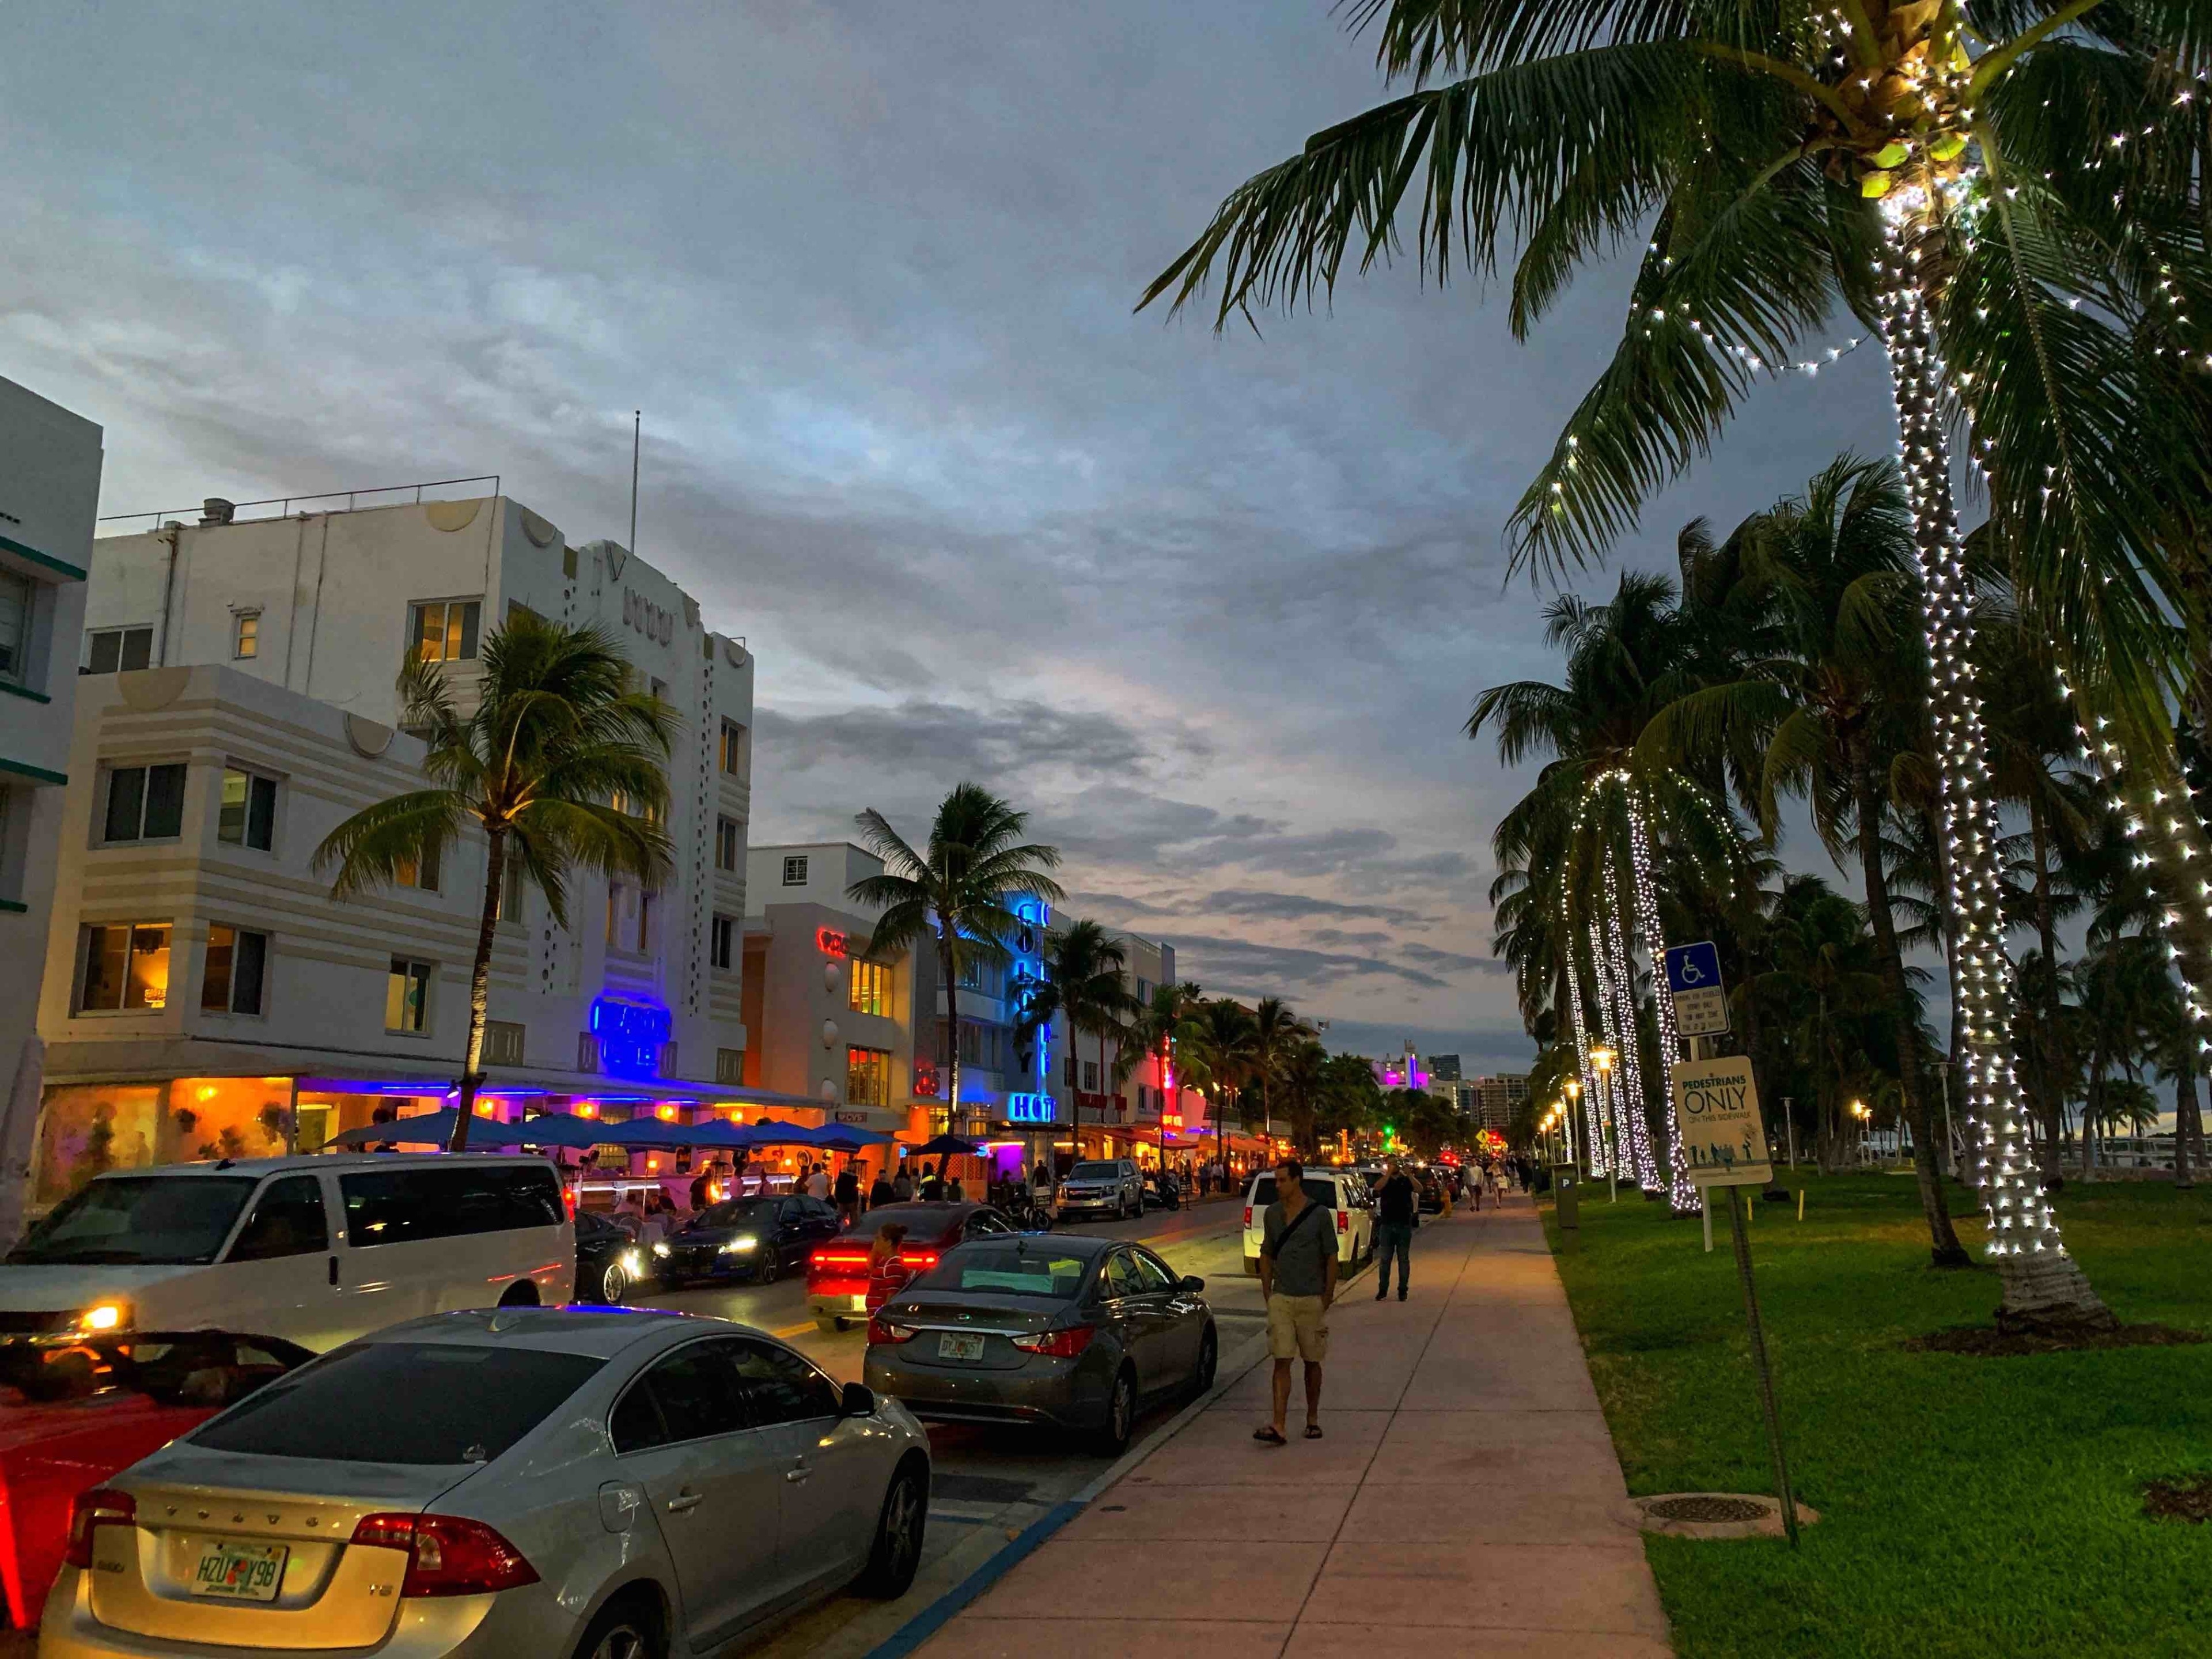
1031	1109
630	1035
831	941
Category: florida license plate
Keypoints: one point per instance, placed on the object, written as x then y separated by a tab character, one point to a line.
953	1344
241	1572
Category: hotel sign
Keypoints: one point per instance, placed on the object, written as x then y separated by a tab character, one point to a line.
1031	1109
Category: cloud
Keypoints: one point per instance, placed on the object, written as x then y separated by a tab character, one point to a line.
996	745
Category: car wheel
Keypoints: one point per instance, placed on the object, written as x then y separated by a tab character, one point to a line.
1209	1360
625	1629
1120	1415
769	1270
613	1281
897	1549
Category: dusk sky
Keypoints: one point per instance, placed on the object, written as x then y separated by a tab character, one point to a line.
1213	609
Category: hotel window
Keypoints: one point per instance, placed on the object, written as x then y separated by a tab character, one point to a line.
127	965
971	1043
617	906
868	1077
407	996
726	844
733	747
114	649
249	810
870	991
16	594
975	976
660	690
1068	1071
145	803
444	630
422	876
795	870
648	908
722	949
631	807
510	890
1089	1077
237	963
245	634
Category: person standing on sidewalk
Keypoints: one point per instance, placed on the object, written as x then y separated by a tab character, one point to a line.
1397	1206
1298	1282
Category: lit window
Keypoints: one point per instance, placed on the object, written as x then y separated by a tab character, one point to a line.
722	944
725	846
127	966
236	962
407	996
648	905
615	909
795	870
733	747
16	595
421	874
510	890
246	641
444	630
868	1077
870	992
249	810
145	803
113	650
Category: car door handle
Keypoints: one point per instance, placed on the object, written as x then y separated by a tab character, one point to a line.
798	1473
684	1502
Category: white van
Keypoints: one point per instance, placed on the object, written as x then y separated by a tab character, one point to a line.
315	1250
1341	1189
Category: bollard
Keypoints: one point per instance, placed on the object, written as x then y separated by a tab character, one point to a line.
1801	1203
1568	1199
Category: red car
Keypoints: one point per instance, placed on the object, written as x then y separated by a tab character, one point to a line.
70	1417
840	1288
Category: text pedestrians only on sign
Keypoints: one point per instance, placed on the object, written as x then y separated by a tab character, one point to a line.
1694	977
1723	1137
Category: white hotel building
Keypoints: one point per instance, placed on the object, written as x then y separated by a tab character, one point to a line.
203	989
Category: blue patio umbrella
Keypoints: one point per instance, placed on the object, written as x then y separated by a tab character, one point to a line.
844	1137
770	1132
430	1129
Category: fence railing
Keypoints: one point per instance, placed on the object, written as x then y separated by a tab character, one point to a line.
284	504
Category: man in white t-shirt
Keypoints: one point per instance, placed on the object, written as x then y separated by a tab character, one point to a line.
818	1184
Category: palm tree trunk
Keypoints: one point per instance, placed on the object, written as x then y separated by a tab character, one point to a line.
1942	1238
480	989
2089	1106
2051	1087
1682	1192
2187	1122
951	1025
2042	1284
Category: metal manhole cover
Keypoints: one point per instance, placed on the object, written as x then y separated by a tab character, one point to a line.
1701	1507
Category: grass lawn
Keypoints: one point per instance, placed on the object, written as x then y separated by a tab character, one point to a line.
1969	1506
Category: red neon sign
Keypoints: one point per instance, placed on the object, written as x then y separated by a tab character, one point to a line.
831	941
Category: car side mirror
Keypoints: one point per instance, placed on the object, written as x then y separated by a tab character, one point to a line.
1193	1282
858	1400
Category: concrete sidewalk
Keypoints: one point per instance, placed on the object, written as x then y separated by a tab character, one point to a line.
1467	1492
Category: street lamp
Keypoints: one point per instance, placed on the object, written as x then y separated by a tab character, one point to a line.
1603	1058
1860	1111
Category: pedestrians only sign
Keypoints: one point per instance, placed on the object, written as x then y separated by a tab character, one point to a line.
1694	977
1724	1138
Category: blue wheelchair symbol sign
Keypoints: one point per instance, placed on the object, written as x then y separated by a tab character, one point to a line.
1694	967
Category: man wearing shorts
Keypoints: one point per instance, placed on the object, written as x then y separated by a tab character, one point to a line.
1297	1281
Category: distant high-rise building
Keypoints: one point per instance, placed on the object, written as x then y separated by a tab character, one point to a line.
1497	1097
1444	1068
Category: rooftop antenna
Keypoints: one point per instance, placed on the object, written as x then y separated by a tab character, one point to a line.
636	430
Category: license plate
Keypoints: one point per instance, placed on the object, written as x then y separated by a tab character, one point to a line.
955	1345
241	1572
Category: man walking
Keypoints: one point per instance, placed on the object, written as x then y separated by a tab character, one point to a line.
1298	1282
1396	1207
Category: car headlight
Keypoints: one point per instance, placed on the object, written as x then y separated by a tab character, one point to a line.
632	1262
659	1248
743	1244
101	1317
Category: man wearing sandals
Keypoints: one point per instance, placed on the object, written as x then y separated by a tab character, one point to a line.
1297	1281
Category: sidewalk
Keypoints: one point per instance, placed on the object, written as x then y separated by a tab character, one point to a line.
1467	1489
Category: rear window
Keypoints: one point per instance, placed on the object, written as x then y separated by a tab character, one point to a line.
399	1207
1095	1172
1319	1190
1015	1269
402	1402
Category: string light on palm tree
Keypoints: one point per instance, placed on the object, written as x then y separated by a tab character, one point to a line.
1600	1155
1681	1196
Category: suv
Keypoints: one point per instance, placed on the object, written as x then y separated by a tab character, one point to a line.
1342	1190
1097	1185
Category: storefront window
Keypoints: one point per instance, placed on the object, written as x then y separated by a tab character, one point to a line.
868	1077
87	1130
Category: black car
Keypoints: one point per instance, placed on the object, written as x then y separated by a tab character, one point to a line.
609	1263
758	1239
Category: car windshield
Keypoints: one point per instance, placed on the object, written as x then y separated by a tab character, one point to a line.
1015	1267
403	1403
1319	1191
1095	1172
740	1213
150	1220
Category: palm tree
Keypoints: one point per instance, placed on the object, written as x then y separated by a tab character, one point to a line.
1276	1034
1951	186
1084	970
1223	1053
957	891
1156	1030
557	738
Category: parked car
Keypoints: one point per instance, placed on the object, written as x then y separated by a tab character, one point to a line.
1073	1332
1342	1190
313	1250
841	1289
1095	1186
557	1481
750	1238
72	1414
609	1262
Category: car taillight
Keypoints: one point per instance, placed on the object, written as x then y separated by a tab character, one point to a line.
1247	1215
447	1555
881	1331
828	1261
103	1506
1058	1344
916	1262
568	1198
1343	1221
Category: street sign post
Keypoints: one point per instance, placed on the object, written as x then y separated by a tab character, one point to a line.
1694	978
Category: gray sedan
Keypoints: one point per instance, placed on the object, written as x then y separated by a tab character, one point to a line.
1067	1331
603	1484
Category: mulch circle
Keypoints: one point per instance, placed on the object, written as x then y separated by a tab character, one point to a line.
2185	1498
1706	1506
1987	1342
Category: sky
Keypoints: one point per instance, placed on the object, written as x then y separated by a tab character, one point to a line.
1211	608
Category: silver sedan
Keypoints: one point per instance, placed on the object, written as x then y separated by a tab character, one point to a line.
608	1484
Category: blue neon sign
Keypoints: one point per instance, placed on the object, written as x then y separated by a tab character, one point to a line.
1031	1109
631	1036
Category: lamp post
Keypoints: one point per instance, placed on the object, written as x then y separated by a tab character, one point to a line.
1860	1111
1574	1089
1603	1058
